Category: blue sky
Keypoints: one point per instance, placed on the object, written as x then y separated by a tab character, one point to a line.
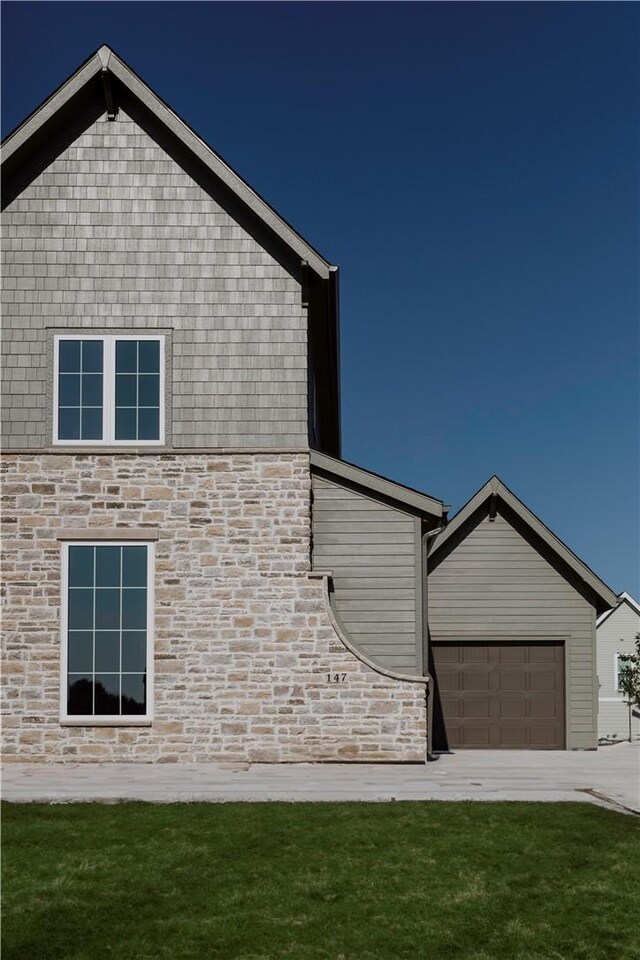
472	168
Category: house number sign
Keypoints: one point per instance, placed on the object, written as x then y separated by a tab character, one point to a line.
336	677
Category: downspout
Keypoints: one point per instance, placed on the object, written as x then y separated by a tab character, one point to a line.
426	537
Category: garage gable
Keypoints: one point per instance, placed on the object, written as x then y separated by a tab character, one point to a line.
495	503
504	595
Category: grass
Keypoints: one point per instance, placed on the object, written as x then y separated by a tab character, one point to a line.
326	881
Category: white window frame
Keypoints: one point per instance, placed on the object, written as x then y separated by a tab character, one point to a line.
616	672
105	719
108	389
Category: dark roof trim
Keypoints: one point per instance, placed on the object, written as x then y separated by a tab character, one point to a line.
106	60
402	495
495	486
622	598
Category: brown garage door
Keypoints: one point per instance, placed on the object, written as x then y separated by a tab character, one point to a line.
498	695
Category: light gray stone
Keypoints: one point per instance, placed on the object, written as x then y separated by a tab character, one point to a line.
244	639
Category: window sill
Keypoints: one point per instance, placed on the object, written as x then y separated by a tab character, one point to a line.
105	722
107	446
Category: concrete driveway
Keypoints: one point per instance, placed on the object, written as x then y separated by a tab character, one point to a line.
609	777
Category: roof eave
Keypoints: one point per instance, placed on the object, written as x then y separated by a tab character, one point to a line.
403	496
45	111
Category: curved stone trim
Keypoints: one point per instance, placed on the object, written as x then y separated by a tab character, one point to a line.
325	576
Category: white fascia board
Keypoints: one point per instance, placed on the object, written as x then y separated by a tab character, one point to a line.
622	599
627	598
605	616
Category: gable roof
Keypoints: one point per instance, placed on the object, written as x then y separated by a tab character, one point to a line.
105	75
622	599
605	597
372	482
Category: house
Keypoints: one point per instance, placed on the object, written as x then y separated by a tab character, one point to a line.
512	624
617	631
192	572
170	361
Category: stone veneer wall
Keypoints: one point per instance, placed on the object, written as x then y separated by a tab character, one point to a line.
243	640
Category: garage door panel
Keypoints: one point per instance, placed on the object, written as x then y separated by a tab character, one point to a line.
475	709
473	680
449	654
543	708
476	654
454	709
512	681
516	654
499	695
512	738
543	681
510	709
449	681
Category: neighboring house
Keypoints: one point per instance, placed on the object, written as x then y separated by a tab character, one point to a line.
191	571
512	622
617	632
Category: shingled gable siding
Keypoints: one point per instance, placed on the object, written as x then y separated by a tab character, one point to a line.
495	585
370	548
115	237
245	650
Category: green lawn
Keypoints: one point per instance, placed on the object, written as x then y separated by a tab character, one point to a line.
328	881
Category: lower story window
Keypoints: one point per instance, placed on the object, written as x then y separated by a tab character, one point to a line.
107	630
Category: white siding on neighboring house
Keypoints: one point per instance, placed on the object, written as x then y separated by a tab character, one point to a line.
616	633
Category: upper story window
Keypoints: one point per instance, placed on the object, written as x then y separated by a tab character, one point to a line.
108	389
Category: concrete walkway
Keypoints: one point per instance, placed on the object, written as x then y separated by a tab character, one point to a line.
609	777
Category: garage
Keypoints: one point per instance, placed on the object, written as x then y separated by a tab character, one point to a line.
498	695
512	631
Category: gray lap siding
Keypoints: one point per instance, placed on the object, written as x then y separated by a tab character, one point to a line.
115	236
373	552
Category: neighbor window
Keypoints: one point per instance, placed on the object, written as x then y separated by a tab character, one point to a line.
617	663
107	630
109	389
